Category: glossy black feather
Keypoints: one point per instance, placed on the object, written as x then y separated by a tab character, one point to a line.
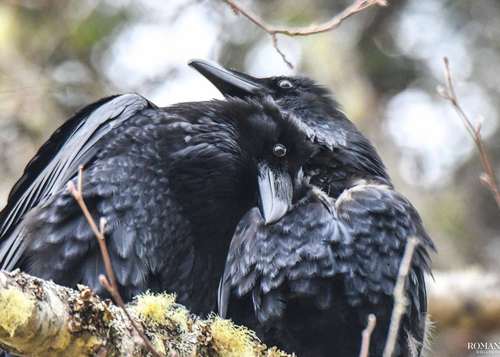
72	145
345	155
172	184
313	277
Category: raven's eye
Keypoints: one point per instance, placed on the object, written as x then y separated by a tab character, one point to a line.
285	84
279	150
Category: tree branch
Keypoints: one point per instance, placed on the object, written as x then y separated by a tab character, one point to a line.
58	321
41	318
400	300
366	336
488	178
357	6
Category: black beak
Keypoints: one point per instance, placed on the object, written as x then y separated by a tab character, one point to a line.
229	82
276	193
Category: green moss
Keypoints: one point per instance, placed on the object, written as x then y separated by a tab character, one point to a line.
15	309
232	340
153	307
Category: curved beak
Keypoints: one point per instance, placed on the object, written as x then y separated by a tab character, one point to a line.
276	193
229	82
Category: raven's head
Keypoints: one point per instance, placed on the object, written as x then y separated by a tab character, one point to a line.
312	104
290	93
276	148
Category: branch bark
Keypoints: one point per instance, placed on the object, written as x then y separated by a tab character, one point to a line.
41	318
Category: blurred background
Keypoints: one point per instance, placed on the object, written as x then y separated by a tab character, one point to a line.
382	64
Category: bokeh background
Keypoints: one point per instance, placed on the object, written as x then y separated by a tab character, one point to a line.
383	65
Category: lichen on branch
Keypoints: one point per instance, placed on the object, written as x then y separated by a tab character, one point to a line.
38	317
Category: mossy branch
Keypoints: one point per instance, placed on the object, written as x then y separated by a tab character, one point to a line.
41	318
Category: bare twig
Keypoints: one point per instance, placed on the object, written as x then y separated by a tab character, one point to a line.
400	300
366	336
488	178
357	6
99	233
281	53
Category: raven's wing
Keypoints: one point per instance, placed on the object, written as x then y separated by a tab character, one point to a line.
379	222
58	160
359	241
295	250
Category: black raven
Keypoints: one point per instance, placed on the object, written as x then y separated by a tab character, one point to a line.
172	183
308	282
345	155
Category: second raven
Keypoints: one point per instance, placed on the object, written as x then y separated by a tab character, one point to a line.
308	282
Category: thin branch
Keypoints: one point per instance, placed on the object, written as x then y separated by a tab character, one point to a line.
99	233
400	300
357	6
335	22
488	178
366	336
281	53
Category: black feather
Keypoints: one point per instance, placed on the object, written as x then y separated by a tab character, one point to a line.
172	184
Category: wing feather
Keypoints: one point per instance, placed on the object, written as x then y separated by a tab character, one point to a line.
72	145
358	242
378	222
263	259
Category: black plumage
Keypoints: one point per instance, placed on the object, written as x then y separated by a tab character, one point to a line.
344	155
172	184
308	282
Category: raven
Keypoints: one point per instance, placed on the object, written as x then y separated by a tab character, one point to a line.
345	155
308	282
171	182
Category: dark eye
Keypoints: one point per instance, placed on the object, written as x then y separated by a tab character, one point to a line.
285	84
279	150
